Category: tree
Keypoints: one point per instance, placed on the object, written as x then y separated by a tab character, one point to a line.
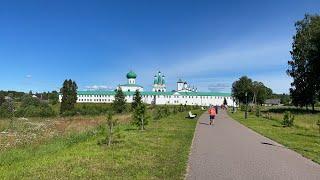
256	91
137	100
2	98
69	96
260	92
241	87
53	97
304	67
119	103
112	130
140	117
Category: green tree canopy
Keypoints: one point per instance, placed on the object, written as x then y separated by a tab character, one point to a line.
241	87
119	103
137	100
140	117
69	96
256	91
53	97
304	67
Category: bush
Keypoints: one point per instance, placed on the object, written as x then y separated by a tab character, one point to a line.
7	109
42	110
140	117
181	108
174	110
158	113
243	108
288	119
258	111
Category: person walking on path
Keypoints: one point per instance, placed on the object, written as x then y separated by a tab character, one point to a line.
212	114
216	107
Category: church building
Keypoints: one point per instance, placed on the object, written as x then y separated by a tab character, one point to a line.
184	94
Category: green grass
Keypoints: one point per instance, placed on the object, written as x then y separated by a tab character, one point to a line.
303	137
160	152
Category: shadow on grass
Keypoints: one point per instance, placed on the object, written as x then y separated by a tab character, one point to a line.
308	135
292	110
130	129
277	125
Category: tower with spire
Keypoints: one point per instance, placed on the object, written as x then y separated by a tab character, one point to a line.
159	84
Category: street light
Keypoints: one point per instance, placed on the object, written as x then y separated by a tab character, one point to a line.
233	108
246	113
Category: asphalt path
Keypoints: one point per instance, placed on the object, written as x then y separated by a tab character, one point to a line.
229	150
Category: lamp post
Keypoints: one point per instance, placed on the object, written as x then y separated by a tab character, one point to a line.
233	105
246	113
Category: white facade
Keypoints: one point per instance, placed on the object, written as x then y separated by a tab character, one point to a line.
183	86
131	85
183	95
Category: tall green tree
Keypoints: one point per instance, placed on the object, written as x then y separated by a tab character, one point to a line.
260	92
304	67
69	96
140	117
119	103
241	87
137	100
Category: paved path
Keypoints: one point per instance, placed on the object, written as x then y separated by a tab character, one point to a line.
229	150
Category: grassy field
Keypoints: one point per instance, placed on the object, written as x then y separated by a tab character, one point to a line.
160	152
303	137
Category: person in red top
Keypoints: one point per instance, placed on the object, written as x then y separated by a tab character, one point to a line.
212	114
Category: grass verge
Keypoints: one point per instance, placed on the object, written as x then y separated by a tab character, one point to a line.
302	140
160	152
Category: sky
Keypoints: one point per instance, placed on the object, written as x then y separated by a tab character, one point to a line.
210	44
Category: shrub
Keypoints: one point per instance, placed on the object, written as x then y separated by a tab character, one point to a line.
158	113
181	108
243	108
5	111
174	110
288	119
113	132
258	111
140	117
38	110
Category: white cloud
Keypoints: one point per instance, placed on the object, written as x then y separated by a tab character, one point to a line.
235	59
219	87
28	76
98	87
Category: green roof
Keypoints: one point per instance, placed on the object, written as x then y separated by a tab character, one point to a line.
156	93
131	75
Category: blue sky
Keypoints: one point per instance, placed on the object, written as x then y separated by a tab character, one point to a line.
208	43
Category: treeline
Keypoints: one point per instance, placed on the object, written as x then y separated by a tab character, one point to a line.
28	107
20	104
304	67
16	96
245	89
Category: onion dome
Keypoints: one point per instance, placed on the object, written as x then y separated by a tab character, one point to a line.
131	75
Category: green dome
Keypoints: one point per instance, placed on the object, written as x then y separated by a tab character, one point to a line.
131	75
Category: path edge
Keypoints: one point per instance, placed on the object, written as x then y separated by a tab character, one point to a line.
191	148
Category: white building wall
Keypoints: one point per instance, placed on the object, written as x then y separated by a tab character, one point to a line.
131	89
160	99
